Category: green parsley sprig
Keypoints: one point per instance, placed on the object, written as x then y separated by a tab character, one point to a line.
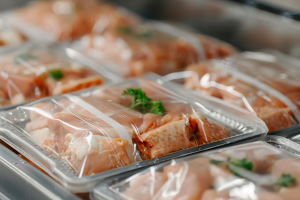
243	163
286	180
142	103
56	74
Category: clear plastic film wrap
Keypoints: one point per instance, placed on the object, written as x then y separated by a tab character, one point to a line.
66	20
135	121
251	171
265	88
133	50
36	71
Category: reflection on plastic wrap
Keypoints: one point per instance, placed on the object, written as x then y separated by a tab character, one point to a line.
254	171
34	72
150	47
67	20
257	86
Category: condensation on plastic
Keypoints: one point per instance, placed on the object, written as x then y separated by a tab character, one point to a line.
67	20
95	131
36	71
132	50
228	80
10	36
250	171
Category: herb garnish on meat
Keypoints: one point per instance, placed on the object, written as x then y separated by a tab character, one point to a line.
142	103
286	180
56	74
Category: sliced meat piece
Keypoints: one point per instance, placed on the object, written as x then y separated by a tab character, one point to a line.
269	196
189	180
146	186
45	139
164	135
152	121
171	137
95	154
275	118
290	194
212	194
295	98
72	85
36	124
208	131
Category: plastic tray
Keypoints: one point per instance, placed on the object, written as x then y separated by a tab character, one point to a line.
102	190
20	180
239	129
70	54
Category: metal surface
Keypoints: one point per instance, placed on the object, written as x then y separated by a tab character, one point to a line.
20	180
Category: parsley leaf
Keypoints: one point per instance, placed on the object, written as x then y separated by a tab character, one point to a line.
56	74
215	162
142	103
286	180
124	30
145	35
244	163
157	108
23	57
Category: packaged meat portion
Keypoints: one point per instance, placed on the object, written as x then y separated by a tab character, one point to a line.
66	20
265	88
127	125
251	171
38	71
133	50
274	70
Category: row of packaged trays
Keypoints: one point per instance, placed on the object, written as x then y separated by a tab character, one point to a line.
263	168
221	123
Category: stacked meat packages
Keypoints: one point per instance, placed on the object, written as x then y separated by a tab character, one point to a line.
88	91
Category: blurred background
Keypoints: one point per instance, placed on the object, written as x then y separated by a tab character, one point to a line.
249	25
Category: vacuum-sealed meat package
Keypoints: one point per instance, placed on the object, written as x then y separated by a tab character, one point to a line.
252	171
133	50
124	125
66	20
265	88
36	71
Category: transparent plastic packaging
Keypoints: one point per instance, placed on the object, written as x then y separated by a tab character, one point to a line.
35	71
67	20
133	50
117	128
258	170
279	72
262	85
18	175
